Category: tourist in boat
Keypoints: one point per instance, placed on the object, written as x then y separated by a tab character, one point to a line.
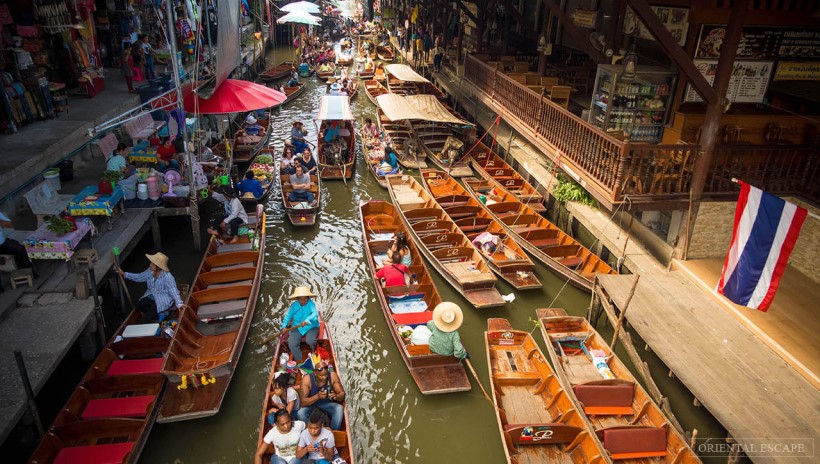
324	67
390	162
287	163
302	319
162	294
300	183
370	130
235	215
117	160
316	443
335	89
297	136
322	390
252	126
368	65
166	154
308	162
447	318
250	186
294	77
284	436
284	397
399	245
393	273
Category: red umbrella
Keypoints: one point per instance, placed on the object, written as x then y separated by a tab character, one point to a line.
233	96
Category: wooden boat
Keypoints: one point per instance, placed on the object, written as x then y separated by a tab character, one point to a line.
326	74
537	419
345	58
336	159
380	74
354	80
399	135
343	437
373	150
401	87
384	53
374	89
541	238
246	147
443	243
368	73
110	414
213	326
492	166
508	261
632	428
301	214
432	373
264	176
444	146
279	71
292	93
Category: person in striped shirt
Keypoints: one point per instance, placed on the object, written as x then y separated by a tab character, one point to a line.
162	294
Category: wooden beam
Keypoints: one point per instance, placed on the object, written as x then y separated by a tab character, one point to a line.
510	9
463	7
581	37
678	55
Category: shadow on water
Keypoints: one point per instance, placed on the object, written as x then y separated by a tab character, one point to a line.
391	421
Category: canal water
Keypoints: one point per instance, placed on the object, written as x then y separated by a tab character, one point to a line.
391	421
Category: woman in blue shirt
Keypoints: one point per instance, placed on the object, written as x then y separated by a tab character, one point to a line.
303	320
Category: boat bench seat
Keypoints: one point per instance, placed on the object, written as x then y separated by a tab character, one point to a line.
413	318
634	442
543	242
606	400
571	262
221	309
135	366
229	284
230	247
96	454
134	406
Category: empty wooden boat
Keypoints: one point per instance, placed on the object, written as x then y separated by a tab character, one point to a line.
490	165
373	151
342	437
280	71
292	93
111	412
301	213
443	243
374	89
632	428
385	53
537	419
265	174
408	306
541	238
213	326
502	253
336	158
444	146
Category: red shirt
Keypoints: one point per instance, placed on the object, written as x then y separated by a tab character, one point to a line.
166	153
393	274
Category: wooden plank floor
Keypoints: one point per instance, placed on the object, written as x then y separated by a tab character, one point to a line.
790	326
741	381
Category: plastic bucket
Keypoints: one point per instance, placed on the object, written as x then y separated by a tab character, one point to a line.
52	176
142	191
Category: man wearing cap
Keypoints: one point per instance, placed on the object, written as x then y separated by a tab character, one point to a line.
302	319
162	292
234	217
444	339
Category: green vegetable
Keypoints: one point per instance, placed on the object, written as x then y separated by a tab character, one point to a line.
263	159
570	191
59	225
111	176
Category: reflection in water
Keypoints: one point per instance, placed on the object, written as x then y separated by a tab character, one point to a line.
391	421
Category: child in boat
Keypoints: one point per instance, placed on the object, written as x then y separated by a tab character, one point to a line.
444	338
316	443
284	397
283	437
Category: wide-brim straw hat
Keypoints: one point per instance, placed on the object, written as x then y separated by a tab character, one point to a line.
159	260
299	292
448	317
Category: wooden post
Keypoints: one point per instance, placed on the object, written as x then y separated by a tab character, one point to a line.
623	311
30	398
155	234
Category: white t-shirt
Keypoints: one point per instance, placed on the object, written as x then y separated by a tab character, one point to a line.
325	439
285	443
291	395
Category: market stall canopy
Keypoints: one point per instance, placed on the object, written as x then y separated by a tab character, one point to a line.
416	107
299	17
233	96
405	73
301	6
335	108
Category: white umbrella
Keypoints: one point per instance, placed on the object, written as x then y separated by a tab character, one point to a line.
301	6
299	17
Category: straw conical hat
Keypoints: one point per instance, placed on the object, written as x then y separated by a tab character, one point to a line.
159	260
300	292
447	316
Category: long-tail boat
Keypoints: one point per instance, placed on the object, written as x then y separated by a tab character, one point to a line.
444	146
541	238
505	256
213	326
337	158
264	173
279	71
443	243
632	428
403	80
408	306
399	135
301	213
343	437
110	414
384	53
491	166
537	419
374	89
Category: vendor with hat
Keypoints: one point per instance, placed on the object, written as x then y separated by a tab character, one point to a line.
302	320
162	294
444	339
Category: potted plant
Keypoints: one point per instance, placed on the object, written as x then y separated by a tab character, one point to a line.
108	181
60	225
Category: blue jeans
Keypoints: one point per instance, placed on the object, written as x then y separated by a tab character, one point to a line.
163	166
301	196
149	67
298	146
334	410
295	342
277	460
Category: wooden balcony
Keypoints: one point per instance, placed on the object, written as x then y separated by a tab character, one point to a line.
651	176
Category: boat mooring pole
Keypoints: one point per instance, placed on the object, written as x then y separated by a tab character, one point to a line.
32	404
97	307
623	311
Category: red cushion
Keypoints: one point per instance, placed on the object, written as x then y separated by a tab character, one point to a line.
135	406
413	318
605	395
635	440
98	454
135	366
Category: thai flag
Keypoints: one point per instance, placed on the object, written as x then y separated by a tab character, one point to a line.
766	229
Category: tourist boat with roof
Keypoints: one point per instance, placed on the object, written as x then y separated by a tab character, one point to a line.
336	158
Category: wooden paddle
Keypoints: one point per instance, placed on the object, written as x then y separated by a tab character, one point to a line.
122	279
277	335
478	381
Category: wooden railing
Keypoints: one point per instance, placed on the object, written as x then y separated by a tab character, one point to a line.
612	168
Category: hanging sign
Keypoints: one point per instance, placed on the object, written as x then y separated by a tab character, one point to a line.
748	84
761	42
585	18
675	20
797	71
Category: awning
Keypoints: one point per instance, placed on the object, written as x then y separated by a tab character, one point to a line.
335	108
405	73
416	107
233	96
